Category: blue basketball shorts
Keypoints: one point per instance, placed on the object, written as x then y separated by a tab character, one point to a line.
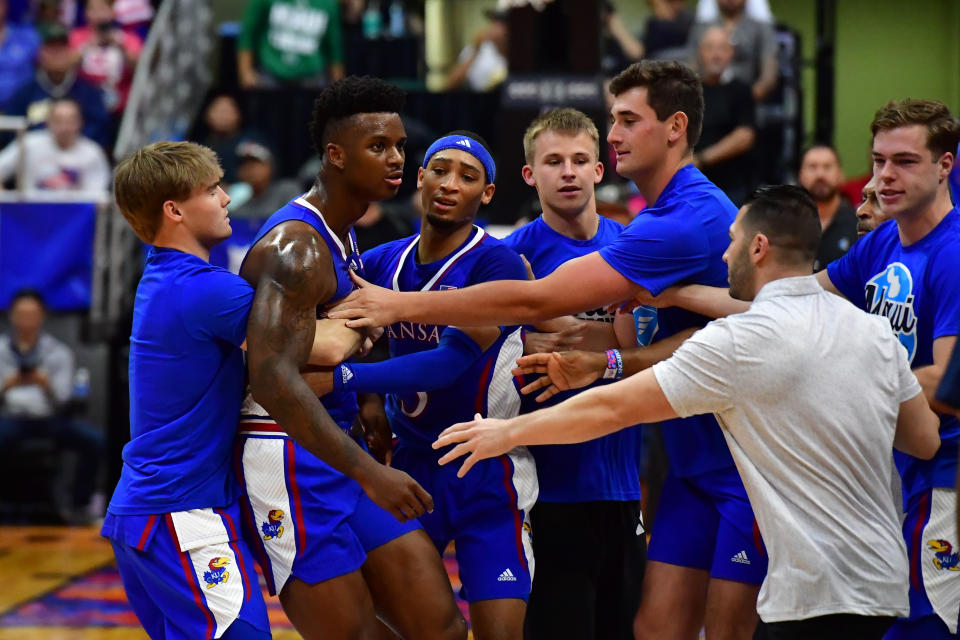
487	516
189	574
706	522
303	518
933	549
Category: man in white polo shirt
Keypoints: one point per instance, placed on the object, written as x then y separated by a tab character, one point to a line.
812	395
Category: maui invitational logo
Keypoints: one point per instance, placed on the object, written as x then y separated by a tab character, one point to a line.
890	294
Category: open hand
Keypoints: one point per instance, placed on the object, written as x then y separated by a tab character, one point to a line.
560	371
367	306
482	438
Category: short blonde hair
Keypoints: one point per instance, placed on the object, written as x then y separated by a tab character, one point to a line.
565	120
162	171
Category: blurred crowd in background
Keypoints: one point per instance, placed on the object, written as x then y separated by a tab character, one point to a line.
68	67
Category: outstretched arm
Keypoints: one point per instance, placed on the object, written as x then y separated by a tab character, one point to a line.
586	416
426	370
296	274
577	369
585	283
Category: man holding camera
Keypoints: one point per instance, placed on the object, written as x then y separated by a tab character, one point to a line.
36	384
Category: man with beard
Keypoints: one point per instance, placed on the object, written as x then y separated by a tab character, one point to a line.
809	458
821	175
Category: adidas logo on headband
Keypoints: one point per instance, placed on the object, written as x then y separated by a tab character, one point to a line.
468	145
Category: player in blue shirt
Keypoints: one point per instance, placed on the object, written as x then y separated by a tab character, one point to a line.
174	519
336	532
705	549
438	375
589	543
908	270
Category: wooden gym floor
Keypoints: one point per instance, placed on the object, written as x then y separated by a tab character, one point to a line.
59	583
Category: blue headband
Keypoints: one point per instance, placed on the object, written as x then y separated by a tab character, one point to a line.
464	143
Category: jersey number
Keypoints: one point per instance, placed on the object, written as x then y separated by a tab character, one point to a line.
418	409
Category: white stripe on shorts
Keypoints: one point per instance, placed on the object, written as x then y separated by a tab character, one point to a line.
942	584
263	473
503	399
221	584
527	486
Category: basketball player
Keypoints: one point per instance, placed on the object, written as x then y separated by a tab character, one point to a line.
174	519
350	544
705	560
437	375
589	543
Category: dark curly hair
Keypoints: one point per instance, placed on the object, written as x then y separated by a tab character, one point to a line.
348	97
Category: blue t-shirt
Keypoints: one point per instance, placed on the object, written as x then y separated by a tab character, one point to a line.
341	405
186	386
918	289
487	386
601	469
949	390
17	52
680	239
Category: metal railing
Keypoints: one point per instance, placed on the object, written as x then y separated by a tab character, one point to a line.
173	75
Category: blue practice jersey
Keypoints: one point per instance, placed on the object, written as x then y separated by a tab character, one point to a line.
680	239
186	385
341	405
601	469
487	387
918	289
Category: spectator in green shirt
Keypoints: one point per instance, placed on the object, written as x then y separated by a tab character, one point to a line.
290	42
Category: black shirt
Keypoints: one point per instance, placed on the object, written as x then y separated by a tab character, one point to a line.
727	106
838	237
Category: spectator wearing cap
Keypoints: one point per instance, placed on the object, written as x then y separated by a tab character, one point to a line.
482	65
290	42
59	158
18	48
56	77
255	170
106	54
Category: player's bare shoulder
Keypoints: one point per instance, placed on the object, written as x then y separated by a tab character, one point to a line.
293	257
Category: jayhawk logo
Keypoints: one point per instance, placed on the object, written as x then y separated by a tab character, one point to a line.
218	572
942	557
273	527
